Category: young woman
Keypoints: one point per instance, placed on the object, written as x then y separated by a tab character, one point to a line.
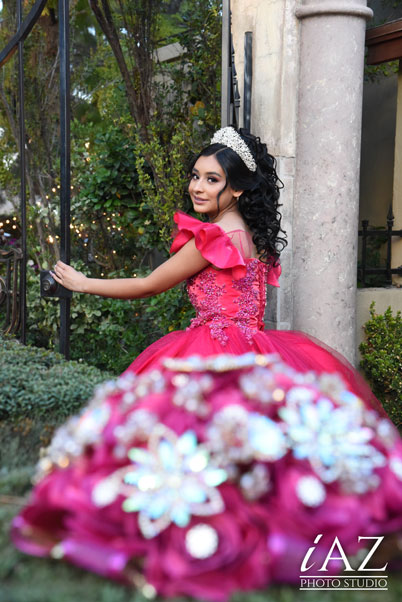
224	451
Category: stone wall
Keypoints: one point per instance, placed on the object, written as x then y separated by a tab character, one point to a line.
306	104
275	31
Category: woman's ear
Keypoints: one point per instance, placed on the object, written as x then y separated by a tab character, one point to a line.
237	193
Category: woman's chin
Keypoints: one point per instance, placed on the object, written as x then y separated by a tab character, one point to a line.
200	208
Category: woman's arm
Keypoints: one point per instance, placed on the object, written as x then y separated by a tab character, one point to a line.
185	263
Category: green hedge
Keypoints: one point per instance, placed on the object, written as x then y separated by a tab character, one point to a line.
40	383
382	359
38	390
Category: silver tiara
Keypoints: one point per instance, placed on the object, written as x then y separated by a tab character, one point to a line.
229	137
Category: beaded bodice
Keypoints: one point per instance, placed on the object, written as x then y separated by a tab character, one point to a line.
231	291
221	301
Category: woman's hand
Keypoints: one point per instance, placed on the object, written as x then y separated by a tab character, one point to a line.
68	277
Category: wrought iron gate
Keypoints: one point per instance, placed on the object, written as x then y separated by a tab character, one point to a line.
11	294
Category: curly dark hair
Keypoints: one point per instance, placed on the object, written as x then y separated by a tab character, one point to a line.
258	204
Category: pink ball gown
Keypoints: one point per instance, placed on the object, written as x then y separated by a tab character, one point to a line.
216	459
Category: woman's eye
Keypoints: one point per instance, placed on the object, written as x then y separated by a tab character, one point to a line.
212	180
194	176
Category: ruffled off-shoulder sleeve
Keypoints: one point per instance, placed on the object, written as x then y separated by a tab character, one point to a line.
212	242
273	275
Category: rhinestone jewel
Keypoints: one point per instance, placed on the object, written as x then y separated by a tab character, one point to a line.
395	465
266	438
170	481
201	541
220	363
310	491
105	492
57	552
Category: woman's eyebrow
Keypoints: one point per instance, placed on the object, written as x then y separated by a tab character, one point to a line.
209	173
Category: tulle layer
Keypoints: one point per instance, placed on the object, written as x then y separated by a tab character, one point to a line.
299	350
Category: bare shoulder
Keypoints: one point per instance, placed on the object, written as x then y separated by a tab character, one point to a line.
229	223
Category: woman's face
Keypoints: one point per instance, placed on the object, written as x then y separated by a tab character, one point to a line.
206	181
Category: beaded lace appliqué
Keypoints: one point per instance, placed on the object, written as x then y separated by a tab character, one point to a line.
248	300
210	310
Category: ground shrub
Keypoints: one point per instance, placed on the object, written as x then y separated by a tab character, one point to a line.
40	383
39	389
382	359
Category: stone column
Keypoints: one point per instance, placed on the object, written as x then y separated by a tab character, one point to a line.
326	200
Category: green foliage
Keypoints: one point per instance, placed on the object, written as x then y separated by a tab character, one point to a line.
187	111
382	359
113	226
36	382
164	189
376	72
127	179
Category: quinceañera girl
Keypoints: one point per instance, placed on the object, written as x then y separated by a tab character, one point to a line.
222	453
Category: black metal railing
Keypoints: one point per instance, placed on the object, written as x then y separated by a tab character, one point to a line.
16	43
381	236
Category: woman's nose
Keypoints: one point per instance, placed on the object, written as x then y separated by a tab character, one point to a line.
199	186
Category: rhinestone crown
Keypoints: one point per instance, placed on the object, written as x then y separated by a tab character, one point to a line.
230	138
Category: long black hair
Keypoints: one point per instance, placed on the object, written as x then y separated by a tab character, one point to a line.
258	204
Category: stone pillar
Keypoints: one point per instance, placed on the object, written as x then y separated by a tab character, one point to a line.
397	192
325	219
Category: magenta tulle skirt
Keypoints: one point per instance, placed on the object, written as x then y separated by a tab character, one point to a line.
216	470
297	349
